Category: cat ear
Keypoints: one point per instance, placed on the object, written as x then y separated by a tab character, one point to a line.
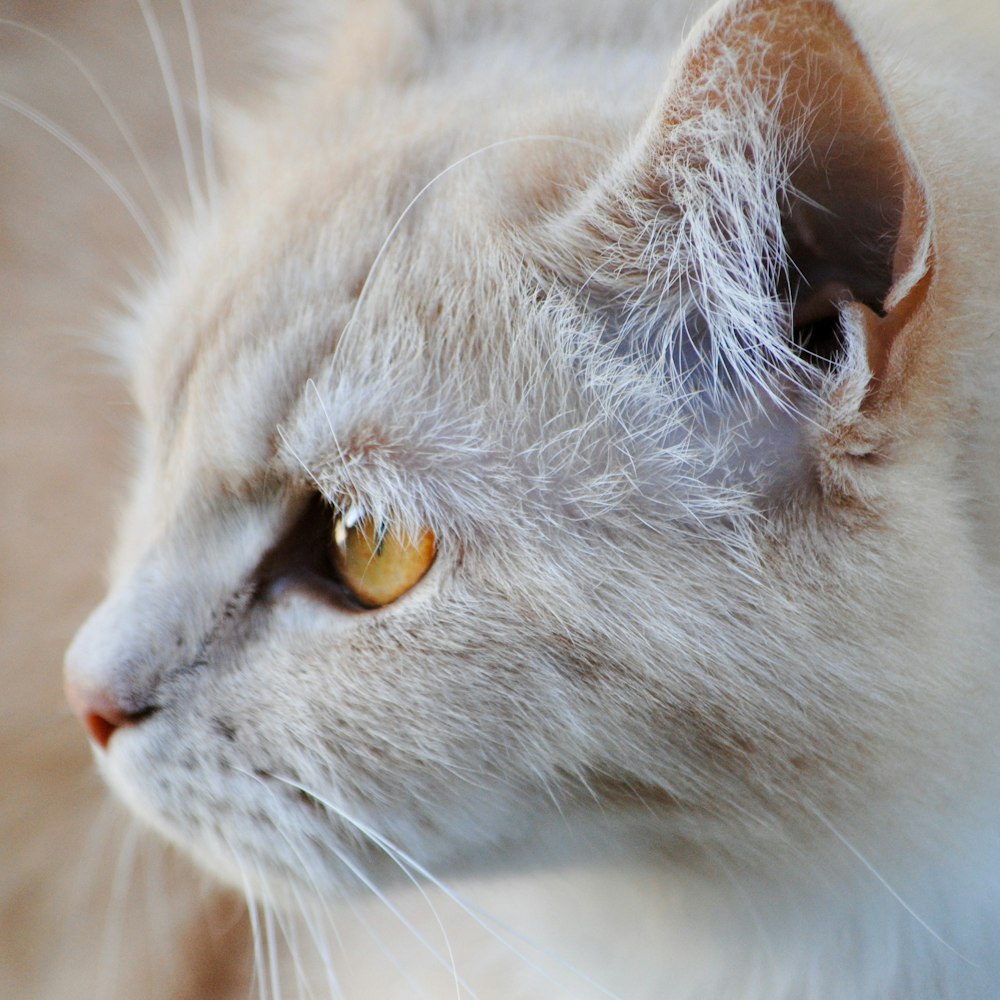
856	214
776	188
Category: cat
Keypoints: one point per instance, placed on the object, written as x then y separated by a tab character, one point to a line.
567	461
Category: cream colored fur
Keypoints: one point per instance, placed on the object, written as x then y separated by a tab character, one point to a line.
701	686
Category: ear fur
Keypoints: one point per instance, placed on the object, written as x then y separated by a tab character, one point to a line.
856	218
770	218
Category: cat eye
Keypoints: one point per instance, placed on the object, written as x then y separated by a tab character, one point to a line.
376	562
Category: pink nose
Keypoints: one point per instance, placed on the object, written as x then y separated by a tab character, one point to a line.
100	714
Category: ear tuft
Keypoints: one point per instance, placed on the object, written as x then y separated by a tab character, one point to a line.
855	215
771	208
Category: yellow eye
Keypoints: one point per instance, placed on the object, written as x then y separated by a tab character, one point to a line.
376	563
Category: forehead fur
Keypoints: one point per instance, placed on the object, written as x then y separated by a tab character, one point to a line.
385	297
374	284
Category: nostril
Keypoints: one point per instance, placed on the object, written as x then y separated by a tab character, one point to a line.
101	729
100	713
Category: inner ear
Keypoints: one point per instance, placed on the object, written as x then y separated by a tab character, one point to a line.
842	226
855	218
854	212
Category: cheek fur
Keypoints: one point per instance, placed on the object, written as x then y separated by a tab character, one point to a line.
685	377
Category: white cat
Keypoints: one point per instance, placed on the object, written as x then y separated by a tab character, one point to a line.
569	447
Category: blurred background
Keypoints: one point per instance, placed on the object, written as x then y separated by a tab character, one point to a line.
84	906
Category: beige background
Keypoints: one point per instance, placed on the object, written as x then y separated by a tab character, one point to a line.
75	917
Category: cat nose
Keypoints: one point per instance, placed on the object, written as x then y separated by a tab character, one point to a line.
108	684
100	714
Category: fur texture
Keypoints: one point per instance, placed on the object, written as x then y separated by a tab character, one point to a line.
680	342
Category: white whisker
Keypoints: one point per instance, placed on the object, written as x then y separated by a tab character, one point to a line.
311	384
121	883
108	105
201	90
157	918
271	946
99	168
447	964
885	884
400	857
386	952
319	941
310	475
437	918
401	218
369	884
173	99
259	979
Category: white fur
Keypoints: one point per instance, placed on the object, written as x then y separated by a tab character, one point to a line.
675	559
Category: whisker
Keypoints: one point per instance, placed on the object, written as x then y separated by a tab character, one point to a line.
174	100
495	927
321	947
259	980
92	847
437	918
108	105
99	168
401	218
318	940
156	926
288	934
400	857
311	384
120	886
271	945
201	90
386	952
83	889
885	885
370	885
764	936
298	458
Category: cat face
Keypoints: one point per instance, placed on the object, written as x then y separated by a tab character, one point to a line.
639	396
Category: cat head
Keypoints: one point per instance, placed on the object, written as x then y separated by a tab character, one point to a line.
512	452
